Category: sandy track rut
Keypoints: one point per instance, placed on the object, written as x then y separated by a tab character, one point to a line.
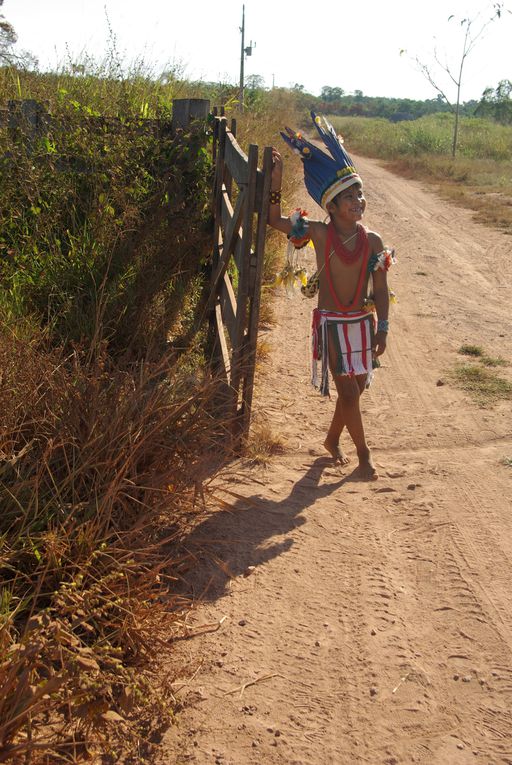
378	617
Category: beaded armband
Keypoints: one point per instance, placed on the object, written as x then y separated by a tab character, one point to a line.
382	261
299	235
383	325
275	198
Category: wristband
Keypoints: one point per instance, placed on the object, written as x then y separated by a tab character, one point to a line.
383	325
275	198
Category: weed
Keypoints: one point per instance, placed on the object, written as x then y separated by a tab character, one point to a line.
263	350
97	464
507	461
471	350
263	444
485	386
494	361
103	237
478	352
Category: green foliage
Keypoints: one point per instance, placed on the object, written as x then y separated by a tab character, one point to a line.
479	138
497	103
484	386
110	237
104	232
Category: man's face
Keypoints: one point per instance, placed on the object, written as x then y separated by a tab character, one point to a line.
350	204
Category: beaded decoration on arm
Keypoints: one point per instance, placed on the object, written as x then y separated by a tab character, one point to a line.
299	235
294	274
382	261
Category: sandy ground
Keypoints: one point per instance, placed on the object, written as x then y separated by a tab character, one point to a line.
369	622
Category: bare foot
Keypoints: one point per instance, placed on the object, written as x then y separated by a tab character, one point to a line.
339	457
366	470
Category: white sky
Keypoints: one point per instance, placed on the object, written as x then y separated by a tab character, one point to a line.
350	45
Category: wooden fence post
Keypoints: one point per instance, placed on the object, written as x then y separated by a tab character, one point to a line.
239	344
29	118
255	279
239	245
184	110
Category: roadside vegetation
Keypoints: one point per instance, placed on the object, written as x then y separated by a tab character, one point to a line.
106	423
480	380
107	436
480	177
108	432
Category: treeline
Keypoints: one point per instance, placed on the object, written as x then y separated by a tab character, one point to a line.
333	100
496	103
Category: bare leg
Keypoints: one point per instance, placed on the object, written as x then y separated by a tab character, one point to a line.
349	392
332	442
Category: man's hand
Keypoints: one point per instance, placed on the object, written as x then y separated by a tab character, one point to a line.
379	343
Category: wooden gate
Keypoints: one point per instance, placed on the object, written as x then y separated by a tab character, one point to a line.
240	205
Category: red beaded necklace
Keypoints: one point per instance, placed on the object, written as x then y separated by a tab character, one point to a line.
345	255
362	245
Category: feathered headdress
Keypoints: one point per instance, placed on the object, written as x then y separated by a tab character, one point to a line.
324	175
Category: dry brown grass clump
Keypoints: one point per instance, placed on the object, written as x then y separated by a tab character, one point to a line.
96	465
263	444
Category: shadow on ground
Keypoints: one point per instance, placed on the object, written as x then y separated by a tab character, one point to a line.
240	535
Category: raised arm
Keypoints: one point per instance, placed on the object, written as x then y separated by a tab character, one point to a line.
275	219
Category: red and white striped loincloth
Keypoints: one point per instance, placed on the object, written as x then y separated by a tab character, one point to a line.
351	334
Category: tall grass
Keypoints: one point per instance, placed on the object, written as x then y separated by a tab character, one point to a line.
108	425
104	232
480	177
267	113
479	138
97	465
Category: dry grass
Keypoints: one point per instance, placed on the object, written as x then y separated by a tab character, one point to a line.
480	178
263	444
263	350
494	361
96	468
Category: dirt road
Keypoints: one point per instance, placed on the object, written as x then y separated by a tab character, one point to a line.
376	624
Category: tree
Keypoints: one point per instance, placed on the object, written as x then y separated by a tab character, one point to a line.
331	94
497	103
255	82
472	30
8	38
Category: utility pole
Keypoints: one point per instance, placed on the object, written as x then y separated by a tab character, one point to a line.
243	53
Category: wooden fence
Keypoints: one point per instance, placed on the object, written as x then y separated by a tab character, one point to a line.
240	206
33	119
